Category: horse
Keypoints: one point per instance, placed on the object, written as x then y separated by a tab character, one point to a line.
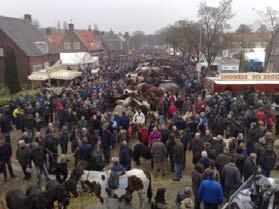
140	150
138	181
2	205
33	190
57	192
16	199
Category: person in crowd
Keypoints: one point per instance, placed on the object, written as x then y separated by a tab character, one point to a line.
37	156
51	145
178	158
125	156
232	178
268	160
106	142
85	150
61	168
213	168
144	135
23	157
218	145
197	178
185	140
64	138
250	166
159	201
5	159
204	160
210	192
97	162
6	128
196	146
259	149
223	159
155	134
159	153
26	138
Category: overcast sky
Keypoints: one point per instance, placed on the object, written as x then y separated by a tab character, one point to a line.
125	15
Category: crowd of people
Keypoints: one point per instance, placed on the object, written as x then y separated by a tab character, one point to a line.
231	136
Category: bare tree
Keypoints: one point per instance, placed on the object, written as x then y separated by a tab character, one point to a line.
213	22
169	36
269	17
58	25
65	25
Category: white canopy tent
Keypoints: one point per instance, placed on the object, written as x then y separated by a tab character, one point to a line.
256	53
78	58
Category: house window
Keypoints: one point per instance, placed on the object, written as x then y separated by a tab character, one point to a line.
1	52
67	45
42	46
76	45
37	67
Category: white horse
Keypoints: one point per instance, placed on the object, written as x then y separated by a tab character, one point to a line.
138	181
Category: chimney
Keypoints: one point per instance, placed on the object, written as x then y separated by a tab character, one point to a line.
48	31
28	17
71	26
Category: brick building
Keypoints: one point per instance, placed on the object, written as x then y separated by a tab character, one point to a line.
78	40
32	49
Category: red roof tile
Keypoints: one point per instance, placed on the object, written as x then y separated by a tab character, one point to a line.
87	38
55	38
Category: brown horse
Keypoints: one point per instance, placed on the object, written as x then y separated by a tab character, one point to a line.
2	205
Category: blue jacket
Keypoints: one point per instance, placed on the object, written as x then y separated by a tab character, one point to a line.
85	152
210	191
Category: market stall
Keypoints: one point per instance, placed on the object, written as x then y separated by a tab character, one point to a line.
235	82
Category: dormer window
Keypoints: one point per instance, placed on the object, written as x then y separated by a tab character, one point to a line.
42	46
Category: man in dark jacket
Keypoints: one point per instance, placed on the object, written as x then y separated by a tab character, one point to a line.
37	155
106	142
268	160
178	153
6	127
125	156
250	166
23	157
196	146
223	159
231	177
51	143
5	158
64	139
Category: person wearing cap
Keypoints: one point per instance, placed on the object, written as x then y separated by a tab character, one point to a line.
268	160
155	134
159	201
125	155
218	145
250	166
23	157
